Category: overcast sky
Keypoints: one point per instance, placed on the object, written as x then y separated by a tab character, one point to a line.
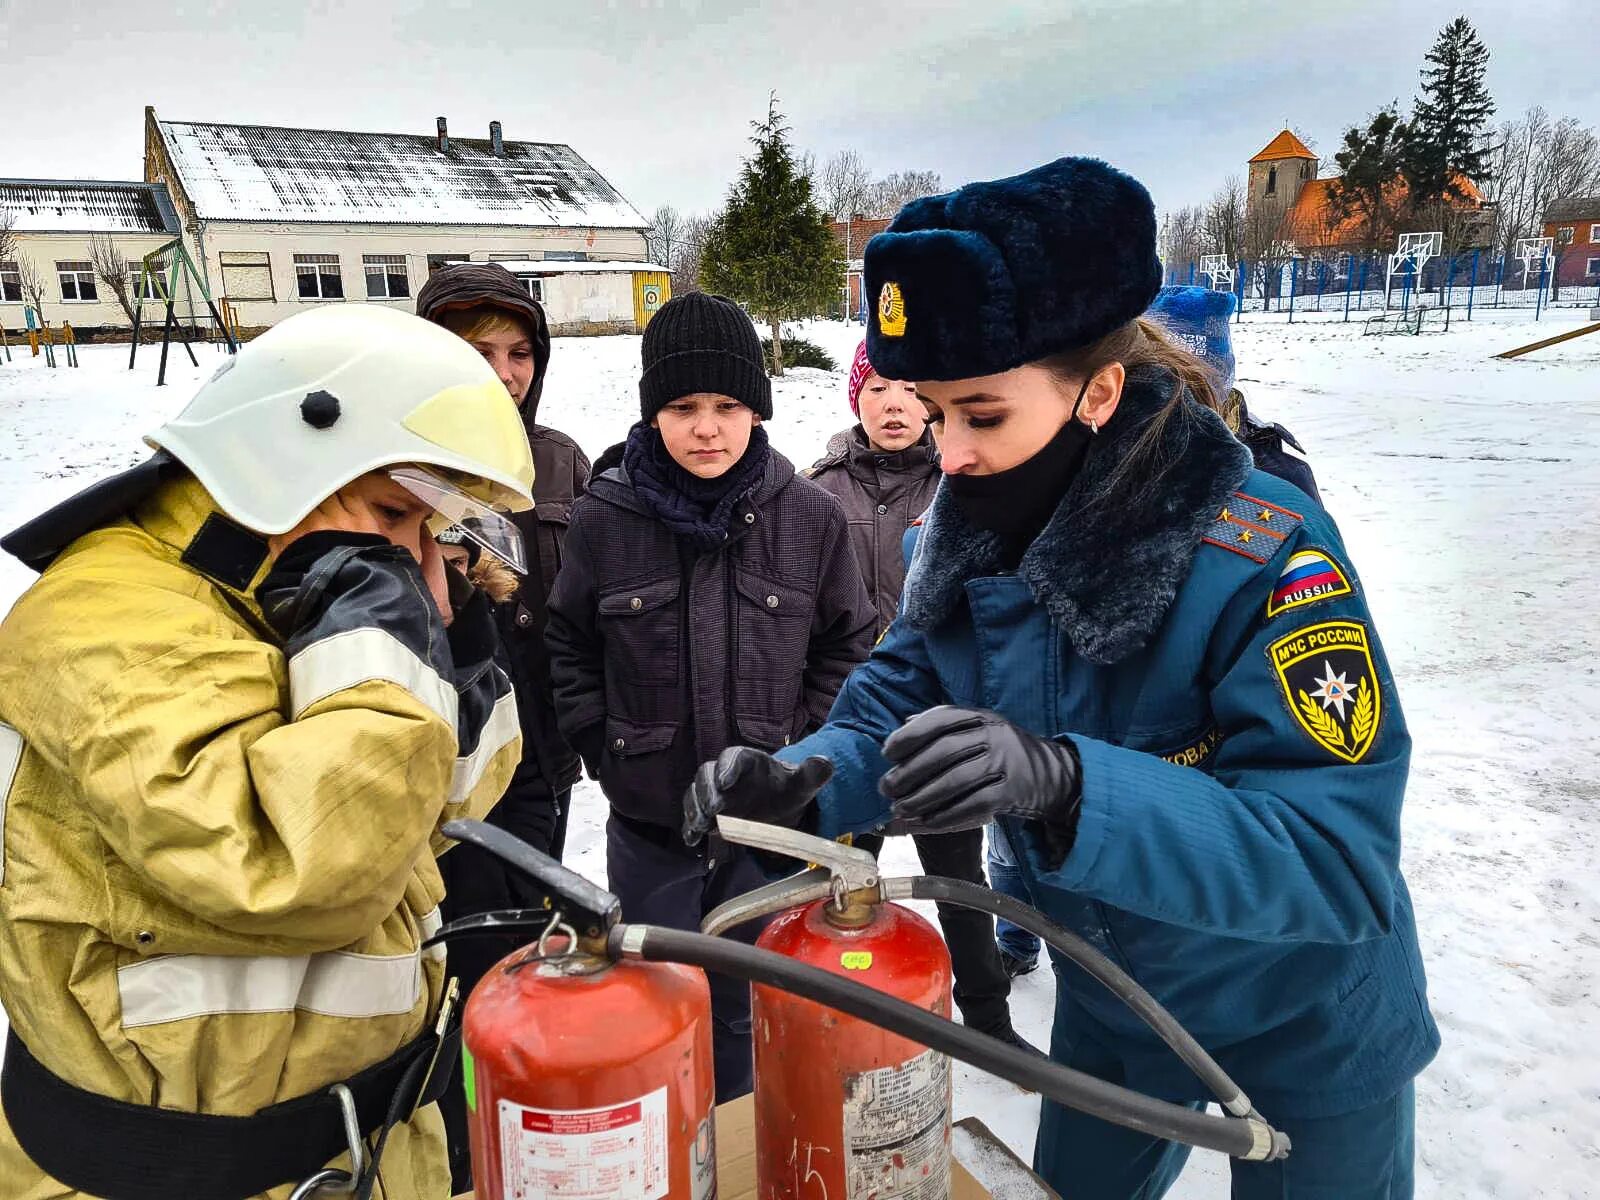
659	97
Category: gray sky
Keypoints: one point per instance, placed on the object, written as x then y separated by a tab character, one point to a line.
659	97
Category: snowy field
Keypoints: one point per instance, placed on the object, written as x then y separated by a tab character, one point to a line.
1469	494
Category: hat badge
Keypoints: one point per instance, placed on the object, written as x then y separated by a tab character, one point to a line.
891	311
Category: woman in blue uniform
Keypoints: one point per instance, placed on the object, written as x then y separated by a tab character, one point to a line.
1154	666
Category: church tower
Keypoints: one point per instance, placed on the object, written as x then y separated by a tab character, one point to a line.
1277	174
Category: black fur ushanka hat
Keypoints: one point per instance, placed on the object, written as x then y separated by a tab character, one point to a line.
1009	271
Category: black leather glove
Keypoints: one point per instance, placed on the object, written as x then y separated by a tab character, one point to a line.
749	783
957	768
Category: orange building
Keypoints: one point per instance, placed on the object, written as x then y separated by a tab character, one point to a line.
1285	189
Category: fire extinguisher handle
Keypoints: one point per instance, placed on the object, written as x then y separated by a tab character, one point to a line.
589	909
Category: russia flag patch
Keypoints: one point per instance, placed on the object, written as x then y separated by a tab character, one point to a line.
1310	575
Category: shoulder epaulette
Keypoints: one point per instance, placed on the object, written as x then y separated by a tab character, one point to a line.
1251	527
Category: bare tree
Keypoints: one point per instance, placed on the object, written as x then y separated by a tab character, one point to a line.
843	183
663	234
33	284
1183	239
8	237
111	266
1537	160
685	262
893	192
1224	220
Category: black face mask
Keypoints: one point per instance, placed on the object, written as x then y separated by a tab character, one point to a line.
1016	504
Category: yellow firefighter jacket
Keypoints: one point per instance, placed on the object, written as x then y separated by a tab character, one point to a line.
218	857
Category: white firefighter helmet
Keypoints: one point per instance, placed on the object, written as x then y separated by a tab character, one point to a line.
341	390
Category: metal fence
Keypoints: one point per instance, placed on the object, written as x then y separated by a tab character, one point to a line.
1348	284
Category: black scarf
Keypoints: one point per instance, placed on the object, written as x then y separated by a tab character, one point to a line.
699	511
1016	504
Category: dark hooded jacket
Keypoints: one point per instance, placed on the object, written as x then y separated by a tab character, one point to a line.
561	472
663	657
882	494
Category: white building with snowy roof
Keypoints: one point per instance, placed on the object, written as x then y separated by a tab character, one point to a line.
285	218
57	228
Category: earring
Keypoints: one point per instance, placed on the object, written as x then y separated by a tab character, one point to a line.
1094	426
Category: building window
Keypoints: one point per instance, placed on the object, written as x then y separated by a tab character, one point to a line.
317	276
386	276
566	256
533	286
77	282
1594	266
10	283
1564	235
155	289
1272	181
1594	235
247	275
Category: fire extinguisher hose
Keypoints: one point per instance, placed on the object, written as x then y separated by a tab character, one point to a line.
1249	1138
1114	978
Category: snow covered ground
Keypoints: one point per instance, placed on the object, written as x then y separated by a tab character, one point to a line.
1469	493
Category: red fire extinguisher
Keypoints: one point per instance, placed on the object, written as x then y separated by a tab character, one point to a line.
844	1108
589	1057
587	1078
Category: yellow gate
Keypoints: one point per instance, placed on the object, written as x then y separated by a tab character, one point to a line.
651	289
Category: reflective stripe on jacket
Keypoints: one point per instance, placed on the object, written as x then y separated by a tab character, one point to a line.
217	846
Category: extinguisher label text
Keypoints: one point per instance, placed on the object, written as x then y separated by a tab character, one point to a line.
613	1153
897	1131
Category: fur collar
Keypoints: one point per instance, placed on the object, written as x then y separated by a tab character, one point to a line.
1110	561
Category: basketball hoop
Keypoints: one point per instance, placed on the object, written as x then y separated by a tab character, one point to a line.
1534	250
1218	268
1410	256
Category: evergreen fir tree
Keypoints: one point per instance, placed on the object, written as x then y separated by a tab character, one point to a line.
771	248
1450	117
1370	162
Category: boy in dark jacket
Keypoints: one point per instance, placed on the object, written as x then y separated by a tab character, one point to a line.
708	598
885	470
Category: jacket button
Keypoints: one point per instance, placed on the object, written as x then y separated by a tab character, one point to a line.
883	462
636	604
749	518
144	937
882	508
524	619
619	745
772	602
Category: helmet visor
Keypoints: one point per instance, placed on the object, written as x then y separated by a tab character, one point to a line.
490	528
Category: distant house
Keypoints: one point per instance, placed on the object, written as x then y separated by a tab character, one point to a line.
281	218
1285	190
852	237
53	223
1574	224
595	297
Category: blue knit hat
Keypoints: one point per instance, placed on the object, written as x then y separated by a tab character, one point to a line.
1010	271
1197	319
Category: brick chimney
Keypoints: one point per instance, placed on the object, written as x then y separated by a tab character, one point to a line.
496	142
443	140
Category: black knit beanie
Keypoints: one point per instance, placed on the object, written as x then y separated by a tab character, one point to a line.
702	343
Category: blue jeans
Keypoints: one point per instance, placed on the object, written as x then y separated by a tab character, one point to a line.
1006	878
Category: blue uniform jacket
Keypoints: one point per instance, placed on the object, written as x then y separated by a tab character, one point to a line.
1209	653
